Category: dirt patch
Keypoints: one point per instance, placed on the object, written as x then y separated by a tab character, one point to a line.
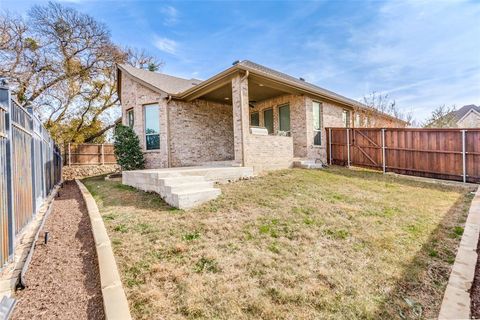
63	280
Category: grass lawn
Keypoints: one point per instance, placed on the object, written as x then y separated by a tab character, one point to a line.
294	244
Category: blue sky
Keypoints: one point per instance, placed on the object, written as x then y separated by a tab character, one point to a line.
422	53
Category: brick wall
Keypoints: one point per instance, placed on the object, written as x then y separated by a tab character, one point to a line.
268	152
199	131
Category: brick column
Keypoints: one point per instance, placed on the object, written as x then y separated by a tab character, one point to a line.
241	121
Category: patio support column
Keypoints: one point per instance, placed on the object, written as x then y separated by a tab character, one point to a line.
240	117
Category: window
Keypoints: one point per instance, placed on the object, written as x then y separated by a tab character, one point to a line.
346	118
130	118
284	115
268	120
254	119
358	122
152	127
317	123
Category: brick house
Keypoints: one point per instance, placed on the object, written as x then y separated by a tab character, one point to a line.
247	114
467	117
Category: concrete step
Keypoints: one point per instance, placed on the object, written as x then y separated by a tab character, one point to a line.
191	186
190	199
307	164
172	181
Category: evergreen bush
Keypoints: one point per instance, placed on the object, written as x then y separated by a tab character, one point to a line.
127	149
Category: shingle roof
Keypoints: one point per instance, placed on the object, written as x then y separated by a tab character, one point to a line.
164	82
460	113
178	86
298	81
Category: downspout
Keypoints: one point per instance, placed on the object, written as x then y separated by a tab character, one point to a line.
169	98
241	116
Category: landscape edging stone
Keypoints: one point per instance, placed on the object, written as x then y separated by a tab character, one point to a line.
456	300
115	301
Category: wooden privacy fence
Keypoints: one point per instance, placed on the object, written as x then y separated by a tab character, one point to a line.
89	154
451	154
30	167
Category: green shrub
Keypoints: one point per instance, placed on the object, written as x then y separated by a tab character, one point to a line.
127	149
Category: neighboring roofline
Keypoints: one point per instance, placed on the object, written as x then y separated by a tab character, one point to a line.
468	113
227	74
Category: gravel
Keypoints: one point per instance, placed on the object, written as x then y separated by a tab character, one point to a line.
63	280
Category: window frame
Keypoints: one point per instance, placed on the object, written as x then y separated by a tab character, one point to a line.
280	118
346	121
258	119
273	120
320	119
129	112
145	134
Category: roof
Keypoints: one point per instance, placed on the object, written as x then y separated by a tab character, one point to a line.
164	82
186	89
271	72
462	112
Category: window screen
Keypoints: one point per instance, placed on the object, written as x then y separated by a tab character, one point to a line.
254	119
284	114
152	127
268	120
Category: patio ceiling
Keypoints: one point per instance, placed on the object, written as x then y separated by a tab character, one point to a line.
259	89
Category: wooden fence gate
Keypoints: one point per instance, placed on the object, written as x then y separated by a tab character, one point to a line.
451	154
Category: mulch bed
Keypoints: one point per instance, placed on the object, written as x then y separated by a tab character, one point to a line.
63	280
475	291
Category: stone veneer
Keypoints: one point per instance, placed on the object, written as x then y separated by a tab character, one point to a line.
83	171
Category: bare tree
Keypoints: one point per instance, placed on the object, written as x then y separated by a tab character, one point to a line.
377	102
63	63
442	117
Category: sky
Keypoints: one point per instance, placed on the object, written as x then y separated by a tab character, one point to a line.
421	53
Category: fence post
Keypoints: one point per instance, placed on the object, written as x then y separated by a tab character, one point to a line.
69	158
330	144
32	157
384	165
348	147
103	155
464	155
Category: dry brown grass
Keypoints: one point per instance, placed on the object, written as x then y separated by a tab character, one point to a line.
294	244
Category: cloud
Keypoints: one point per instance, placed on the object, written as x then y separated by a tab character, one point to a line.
170	15
166	45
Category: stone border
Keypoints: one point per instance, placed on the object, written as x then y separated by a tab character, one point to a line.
24	244
456	301
115	301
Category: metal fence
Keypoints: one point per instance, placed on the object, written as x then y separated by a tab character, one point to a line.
30	167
